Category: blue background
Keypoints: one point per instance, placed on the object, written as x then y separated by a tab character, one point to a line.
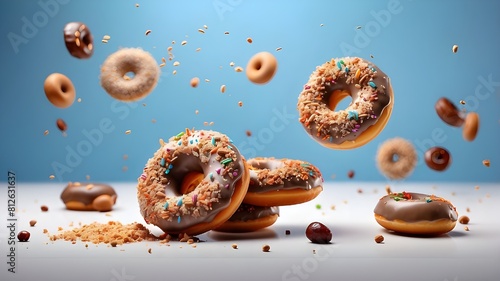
411	41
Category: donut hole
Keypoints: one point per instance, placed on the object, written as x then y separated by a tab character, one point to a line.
64	88
87	41
395	158
257	65
129	75
191	181
340	99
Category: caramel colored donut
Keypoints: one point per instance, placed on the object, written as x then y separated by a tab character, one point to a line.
471	126
281	182
437	158
364	118
448	112
114	77
166	192
416	213
59	90
261	68
249	218
89	197
396	158
79	40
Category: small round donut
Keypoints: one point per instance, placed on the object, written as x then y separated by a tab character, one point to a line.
114	77
89	197
437	158
281	182
396	158
448	112
59	90
364	118
261	68
79	40
416	213
249	218
174	197
471	126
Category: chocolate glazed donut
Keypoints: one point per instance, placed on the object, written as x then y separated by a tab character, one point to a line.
89	197
79	40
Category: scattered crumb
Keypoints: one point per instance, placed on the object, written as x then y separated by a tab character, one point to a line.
358	27
113	243
59	228
467	210
345	201
321	25
463	219
462	102
201	30
379	238
231	64
466	228
287	232
314	252
226	32
333	207
249	40
223	89
52	177
248	133
44	208
137	5
148	32
205	26
360	190
149	250
350	174
318	206
240	103
45	231
184	42
266	248
388	189
153	120
238	69
454	49
196	111
476	187
198	49
127	132
46	132
486	163
453	193
371	56
278	49
234	246
125	156
194	82
32	222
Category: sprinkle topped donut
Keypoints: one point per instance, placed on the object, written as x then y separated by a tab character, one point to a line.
364	118
207	203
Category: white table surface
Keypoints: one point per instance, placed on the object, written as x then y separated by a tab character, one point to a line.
460	255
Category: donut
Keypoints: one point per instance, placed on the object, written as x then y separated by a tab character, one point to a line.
364	118
59	90
249	218
88	197
416	213
261	68
194	183
437	158
281	182
471	126
448	112
114	77
396	158
79	40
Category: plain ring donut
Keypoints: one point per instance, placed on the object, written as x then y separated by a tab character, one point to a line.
59	90
119	85
415	213
364	118
396	158
210	201
261	67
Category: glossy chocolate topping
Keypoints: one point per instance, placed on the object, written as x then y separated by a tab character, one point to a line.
248	212
448	112
269	174
368	86
79	40
208	152
86	193
415	207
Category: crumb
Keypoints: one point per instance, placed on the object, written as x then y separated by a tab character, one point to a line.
190	241
234	246
379	238
52	177
44	208
149	250
314	252
388	189
318	206
240	103
249	40
32	222
148	32
108	214
462	102
466	228
332	207
345	201
453	193
45	231
137	5
223	89
59	228
194	82
454	49
201	30
467	210
238	69
486	163
46	132
113	244
463	219
360	190
476	187
287	232
350	174
226	32
231	64
127	132
176	63
248	133
278	49
184	42
266	248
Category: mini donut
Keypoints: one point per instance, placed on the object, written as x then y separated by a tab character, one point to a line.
89	197
396	158
249	218
261	68
437	158
364	118
59	90
173	196
471	126
448	112
79	40
281	182
416	213
114	77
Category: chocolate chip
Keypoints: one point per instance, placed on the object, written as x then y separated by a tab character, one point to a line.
23	236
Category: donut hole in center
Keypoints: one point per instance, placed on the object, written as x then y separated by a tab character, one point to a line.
438	157
64	88
395	158
257	65
129	75
339	99
191	181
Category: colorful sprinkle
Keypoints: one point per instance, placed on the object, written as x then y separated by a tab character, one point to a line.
347	69
211	175
339	65
179	135
226	161
230	147
213	141
307	87
226	186
170	166
372	85
162	162
217	171
165	206
143	176
167	171
235	174
195	198
179	143
178	219
179	203
352	114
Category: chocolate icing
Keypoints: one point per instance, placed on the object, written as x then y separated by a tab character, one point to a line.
448	112
209	152
421	207
269	174
371	93
79	40
248	212
86	193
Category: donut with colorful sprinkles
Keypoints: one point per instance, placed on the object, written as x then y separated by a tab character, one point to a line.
364	118
194	183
